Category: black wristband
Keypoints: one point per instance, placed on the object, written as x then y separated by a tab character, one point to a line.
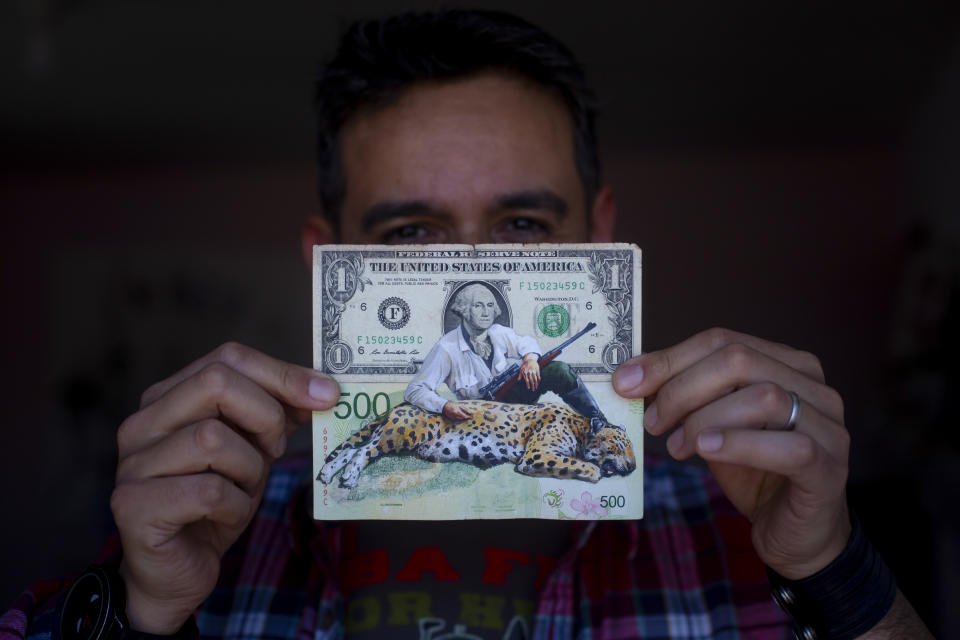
843	600
95	608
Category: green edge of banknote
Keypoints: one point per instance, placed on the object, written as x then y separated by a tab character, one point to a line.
406	330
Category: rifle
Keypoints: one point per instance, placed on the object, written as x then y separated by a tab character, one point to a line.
504	381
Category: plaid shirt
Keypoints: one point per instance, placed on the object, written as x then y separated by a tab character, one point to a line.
686	571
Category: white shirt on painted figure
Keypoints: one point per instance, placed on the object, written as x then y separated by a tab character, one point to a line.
452	361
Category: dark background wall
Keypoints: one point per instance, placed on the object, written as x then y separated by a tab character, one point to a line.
790	170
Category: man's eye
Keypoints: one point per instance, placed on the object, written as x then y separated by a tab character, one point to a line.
521	229
524	224
408	234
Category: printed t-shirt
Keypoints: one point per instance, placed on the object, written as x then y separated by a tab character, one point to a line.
477	579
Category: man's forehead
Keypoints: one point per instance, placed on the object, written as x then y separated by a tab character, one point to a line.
461	146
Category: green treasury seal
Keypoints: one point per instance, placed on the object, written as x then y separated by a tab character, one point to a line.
553	320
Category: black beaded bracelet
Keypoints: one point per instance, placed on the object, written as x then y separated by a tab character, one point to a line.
843	600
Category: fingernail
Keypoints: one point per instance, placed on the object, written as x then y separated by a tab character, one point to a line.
650	416
324	390
628	377
710	441
281	445
675	441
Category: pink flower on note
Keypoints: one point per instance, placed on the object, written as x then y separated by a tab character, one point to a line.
587	508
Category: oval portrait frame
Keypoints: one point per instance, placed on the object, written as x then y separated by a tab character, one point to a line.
451	319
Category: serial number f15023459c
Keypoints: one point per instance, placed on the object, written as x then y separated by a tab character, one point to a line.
389	340
568	285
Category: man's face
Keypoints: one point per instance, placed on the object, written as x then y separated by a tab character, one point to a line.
480	314
486	159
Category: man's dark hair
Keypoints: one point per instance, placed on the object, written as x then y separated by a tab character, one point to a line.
378	59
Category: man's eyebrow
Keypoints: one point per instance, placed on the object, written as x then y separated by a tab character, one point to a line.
533	199
542	199
385	211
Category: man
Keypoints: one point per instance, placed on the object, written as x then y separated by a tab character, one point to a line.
470	355
471	128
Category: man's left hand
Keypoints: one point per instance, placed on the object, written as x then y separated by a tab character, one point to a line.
728	398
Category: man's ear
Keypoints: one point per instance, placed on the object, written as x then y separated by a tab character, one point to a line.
316	230
603	214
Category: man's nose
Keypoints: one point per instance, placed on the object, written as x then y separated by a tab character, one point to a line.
469	229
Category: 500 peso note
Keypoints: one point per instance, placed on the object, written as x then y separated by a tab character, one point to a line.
475	381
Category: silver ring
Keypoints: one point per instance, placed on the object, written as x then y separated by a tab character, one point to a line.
794	413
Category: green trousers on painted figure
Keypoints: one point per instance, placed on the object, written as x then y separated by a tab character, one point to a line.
559	378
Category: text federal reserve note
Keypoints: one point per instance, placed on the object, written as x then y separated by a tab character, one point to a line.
475	382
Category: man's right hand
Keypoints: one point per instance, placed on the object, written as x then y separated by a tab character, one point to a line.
456	411
192	468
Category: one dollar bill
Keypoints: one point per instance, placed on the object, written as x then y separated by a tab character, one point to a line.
475	382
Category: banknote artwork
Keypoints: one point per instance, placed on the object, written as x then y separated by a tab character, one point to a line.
475	381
